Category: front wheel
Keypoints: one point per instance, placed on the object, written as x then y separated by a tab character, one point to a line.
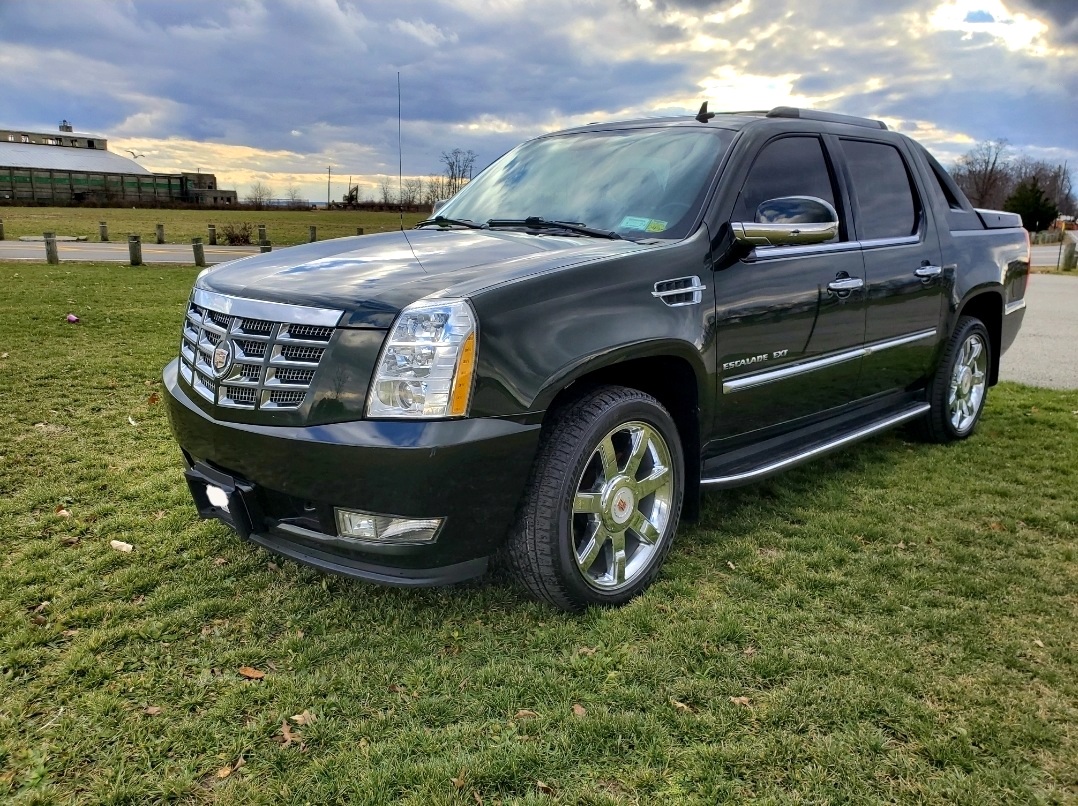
959	388
603	502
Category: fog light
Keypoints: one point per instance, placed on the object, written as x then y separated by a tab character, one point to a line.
386	528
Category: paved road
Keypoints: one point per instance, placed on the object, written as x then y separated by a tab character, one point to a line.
151	252
1046	350
1049	254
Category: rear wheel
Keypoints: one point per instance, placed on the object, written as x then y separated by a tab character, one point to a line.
603	501
959	388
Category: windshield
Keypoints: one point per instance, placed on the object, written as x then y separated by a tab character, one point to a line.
639	183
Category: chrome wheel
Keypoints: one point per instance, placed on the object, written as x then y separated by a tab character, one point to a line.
969	380
621	507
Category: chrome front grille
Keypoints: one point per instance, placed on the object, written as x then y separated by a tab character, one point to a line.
271	350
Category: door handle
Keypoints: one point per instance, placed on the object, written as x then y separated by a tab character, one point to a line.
846	284
928	272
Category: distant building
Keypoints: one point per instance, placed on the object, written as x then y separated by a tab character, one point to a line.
69	167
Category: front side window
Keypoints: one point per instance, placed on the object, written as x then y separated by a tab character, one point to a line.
885	201
789	166
639	183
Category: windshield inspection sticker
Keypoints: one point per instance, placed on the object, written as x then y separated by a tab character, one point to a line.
643	224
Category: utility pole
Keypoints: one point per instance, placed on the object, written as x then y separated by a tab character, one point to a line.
329	178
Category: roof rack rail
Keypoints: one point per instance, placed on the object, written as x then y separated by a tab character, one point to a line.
828	117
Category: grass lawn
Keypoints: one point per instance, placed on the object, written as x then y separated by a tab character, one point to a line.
283	227
896	623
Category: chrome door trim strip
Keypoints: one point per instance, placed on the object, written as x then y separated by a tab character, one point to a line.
1014	307
260	309
782	373
878	346
766	470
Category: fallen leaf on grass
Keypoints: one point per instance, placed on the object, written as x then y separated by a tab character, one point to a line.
131	420
586	651
70	540
748	651
152	710
120	545
5	355
579	710
524	713
306	718
69	633
731	566
39	608
72	319
996	526
154	399
680	706
290	737
476	797
220	561
159	514
742	701
459	781
251	673
1037	641
273	567
39	620
544	787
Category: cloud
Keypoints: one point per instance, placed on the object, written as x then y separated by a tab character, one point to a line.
283	88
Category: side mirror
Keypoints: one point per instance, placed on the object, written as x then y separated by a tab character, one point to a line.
438	205
788	221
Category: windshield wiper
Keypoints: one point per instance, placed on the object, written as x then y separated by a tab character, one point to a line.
442	221
535	222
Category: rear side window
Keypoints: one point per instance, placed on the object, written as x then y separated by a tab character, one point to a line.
790	166
881	184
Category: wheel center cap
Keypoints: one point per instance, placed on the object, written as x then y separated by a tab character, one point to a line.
622	505
965	383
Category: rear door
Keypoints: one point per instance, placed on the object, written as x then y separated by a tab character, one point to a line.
907	283
790	319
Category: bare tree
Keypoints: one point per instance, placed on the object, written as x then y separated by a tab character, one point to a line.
295	198
412	191
459	166
387	191
435	190
984	173
259	195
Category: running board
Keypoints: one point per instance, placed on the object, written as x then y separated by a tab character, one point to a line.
819	449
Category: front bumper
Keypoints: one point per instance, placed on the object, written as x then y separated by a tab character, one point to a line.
283	483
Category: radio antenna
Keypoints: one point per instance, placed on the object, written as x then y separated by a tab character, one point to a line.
400	175
400	157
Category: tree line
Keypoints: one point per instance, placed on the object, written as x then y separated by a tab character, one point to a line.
994	176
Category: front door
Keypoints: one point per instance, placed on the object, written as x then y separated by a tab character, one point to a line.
790	319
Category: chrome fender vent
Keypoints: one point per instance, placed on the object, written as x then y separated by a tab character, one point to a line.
680	291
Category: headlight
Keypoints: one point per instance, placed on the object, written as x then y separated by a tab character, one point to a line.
427	363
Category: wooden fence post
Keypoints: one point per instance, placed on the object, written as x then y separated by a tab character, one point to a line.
200	252
313	228
134	246
51	254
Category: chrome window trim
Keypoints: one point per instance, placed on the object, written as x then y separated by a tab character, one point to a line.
743	382
260	309
905	240
775	252
1014	307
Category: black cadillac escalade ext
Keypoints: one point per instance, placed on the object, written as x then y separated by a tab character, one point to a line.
604	323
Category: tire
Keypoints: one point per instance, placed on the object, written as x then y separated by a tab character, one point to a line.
959	388
603	502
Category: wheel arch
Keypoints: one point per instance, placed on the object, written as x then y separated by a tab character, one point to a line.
668	372
986	304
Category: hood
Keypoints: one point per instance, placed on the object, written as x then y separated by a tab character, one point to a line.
371	277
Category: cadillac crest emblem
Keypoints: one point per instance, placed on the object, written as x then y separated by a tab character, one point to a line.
222	358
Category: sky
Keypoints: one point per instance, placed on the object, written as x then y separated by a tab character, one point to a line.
278	90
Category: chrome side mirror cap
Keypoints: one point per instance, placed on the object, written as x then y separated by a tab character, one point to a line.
791	220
